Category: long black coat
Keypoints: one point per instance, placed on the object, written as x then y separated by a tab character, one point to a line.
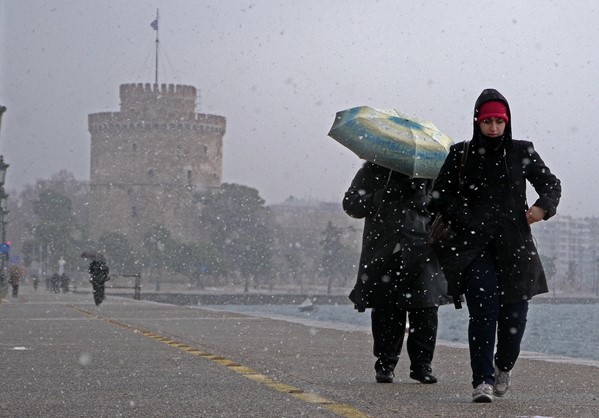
98	271
394	240
491	209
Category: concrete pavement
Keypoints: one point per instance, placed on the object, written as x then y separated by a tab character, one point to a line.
62	356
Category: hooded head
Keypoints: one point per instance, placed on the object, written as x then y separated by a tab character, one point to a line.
491	103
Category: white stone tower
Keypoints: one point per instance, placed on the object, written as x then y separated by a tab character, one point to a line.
149	159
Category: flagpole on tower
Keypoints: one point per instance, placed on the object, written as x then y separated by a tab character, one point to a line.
154	25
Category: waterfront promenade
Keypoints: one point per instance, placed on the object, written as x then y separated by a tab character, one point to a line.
64	357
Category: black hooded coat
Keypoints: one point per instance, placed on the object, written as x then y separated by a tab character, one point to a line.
99	272
394	250
491	208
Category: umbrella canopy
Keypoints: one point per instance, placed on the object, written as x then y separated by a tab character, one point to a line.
389	138
93	255
17	271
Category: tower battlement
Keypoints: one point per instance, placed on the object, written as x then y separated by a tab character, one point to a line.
117	121
157	98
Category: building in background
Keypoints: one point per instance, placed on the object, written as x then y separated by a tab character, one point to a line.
148	160
572	246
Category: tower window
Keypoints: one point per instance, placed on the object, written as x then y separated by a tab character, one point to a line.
188	176
134	147
150	173
133	212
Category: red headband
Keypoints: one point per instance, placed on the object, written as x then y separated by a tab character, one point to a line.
493	109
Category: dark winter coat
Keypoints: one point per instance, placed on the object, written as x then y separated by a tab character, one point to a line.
394	239
98	271
491	209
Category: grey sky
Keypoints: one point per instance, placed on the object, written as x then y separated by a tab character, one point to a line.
280	70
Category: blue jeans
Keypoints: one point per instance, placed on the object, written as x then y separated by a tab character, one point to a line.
488	318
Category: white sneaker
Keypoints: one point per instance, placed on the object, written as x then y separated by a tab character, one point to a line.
502	382
483	393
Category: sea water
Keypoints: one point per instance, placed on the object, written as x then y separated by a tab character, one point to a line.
570	330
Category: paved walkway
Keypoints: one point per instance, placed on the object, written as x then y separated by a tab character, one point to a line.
63	357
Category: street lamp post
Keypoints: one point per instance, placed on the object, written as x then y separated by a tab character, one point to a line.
596	273
3	283
3	213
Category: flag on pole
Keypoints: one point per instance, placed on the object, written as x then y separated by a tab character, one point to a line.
154	24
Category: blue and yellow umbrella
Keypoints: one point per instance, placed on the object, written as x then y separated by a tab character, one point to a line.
388	138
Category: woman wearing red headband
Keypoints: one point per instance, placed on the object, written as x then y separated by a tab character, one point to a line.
490	256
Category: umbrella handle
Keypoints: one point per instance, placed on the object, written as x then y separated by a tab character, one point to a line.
384	188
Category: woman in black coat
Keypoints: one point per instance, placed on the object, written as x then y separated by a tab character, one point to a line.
398	274
491	256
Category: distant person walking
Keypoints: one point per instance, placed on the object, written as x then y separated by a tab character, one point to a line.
15	273
490	256
98	270
398	274
55	283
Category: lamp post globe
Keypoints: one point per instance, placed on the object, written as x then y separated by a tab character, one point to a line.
2	110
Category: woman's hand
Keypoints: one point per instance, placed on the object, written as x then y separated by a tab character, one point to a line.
535	214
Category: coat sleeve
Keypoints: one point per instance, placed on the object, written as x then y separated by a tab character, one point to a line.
445	196
376	188
359	201
545	183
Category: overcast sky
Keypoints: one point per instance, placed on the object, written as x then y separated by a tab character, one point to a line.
280	70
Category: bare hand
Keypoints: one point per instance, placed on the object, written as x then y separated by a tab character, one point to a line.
535	214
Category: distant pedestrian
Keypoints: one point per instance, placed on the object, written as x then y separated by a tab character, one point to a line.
491	256
15	273
55	283
64	282
98	269
398	275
